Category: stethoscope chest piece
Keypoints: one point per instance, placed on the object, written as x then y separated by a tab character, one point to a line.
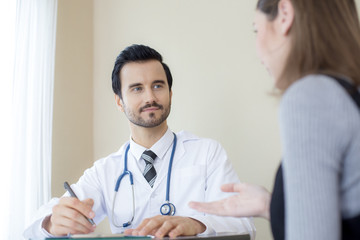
168	209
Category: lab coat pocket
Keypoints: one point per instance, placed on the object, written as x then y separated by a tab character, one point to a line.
189	183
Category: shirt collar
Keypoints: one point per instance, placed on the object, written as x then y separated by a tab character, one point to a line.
159	148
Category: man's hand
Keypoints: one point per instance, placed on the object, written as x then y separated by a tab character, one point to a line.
251	201
173	226
68	216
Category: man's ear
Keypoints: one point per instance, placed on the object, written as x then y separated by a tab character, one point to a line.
170	94
119	103
285	16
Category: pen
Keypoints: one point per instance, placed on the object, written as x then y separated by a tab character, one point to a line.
68	188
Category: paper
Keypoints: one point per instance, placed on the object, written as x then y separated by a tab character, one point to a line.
105	236
97	235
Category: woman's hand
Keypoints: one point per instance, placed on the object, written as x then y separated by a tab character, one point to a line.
251	201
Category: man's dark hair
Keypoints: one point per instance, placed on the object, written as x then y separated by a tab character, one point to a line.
136	53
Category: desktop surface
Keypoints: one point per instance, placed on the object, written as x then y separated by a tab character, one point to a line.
218	236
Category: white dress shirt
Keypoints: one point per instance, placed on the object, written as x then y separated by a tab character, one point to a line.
200	167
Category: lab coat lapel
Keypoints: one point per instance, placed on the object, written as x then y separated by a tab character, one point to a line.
163	172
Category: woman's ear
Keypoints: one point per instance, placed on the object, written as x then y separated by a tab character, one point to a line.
286	16
119	102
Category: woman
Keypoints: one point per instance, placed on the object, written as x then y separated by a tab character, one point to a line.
309	47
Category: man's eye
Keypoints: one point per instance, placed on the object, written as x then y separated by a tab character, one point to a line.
158	86
137	89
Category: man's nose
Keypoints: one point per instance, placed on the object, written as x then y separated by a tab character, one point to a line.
150	96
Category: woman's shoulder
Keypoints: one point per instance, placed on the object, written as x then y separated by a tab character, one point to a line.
318	103
317	91
316	85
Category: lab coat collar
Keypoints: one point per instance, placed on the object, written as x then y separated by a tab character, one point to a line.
159	148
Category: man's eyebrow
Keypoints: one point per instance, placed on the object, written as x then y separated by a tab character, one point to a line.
159	81
135	85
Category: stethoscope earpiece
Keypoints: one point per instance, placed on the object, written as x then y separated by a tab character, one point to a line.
168	209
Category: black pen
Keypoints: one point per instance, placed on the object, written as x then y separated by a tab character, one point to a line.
68	188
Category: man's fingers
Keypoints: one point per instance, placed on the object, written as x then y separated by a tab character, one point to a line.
59	230
85	208
61	212
164	229
136	231
75	227
89	202
178	231
150	225
153	232
128	231
67	215
161	226
64	225
70	216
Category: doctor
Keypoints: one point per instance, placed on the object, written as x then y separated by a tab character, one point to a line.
144	188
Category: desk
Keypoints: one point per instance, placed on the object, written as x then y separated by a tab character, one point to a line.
225	236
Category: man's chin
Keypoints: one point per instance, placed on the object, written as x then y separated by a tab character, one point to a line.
153	124
149	124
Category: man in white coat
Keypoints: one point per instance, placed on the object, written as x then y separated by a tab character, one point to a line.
168	170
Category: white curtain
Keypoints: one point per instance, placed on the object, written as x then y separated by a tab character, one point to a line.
7	43
29	166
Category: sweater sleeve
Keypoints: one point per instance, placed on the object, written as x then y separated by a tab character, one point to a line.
315	134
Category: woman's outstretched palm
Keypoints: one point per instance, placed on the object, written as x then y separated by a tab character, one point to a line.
251	200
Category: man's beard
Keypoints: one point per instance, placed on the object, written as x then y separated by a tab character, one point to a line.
152	122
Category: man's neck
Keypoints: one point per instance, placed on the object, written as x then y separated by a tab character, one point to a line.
147	137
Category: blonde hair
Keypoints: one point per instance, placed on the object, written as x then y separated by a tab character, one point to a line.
325	39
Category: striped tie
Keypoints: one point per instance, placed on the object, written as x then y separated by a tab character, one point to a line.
149	171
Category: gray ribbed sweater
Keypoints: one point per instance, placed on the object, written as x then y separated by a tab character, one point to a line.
320	132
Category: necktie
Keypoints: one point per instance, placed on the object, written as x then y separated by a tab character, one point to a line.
149	171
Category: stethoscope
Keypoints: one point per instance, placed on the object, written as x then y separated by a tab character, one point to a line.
166	209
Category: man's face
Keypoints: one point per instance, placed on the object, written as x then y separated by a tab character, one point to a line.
146	99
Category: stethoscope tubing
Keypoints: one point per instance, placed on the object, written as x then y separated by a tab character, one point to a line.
127	172
167	198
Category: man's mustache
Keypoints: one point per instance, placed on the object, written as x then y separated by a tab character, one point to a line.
154	104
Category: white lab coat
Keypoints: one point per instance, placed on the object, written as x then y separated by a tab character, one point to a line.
200	167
